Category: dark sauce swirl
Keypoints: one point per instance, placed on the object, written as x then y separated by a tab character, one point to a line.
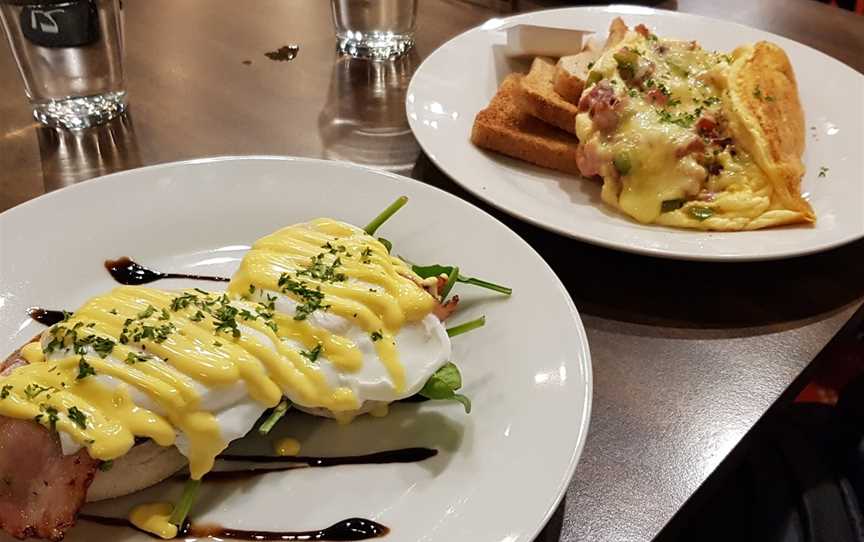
46	317
402	455
126	271
347	529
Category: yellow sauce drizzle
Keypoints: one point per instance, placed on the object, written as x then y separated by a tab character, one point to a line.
287	446
383	308
133	362
380	410
153	518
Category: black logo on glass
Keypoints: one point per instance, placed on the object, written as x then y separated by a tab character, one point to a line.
68	24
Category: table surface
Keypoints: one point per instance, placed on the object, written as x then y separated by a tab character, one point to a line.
687	356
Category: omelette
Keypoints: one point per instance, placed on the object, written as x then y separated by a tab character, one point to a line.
691	138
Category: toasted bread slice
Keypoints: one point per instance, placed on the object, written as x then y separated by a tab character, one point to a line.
538	97
505	128
571	72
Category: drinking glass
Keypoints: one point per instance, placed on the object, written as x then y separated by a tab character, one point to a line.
70	56
378	29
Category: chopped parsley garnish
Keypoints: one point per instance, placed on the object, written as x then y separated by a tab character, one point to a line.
147	313
590	65
164	315
105	466
225	318
182	301
311	299
318	269
217	344
376	336
102	346
197	317
312	355
251	289
4	393
78	417
823	171
113	311
132	358
33	390
366	255
84	369
134	331
51	412
684	120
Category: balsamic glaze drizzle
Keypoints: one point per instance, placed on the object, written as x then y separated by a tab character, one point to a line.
347	529
403	455
46	317
126	271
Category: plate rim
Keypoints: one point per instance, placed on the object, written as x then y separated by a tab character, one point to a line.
622	10
585	366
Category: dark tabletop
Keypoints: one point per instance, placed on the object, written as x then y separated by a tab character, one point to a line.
686	356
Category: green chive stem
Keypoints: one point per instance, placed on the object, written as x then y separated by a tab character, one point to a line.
373	226
484	284
466	327
190	493
451	281
274	416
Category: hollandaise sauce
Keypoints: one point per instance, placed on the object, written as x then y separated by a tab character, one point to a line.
311	306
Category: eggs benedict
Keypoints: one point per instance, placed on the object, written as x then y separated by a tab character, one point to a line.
139	382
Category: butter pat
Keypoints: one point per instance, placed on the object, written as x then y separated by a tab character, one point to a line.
532	40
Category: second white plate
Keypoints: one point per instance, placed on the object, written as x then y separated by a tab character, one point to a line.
459	79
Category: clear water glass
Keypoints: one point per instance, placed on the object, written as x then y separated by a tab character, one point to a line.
378	29
70	56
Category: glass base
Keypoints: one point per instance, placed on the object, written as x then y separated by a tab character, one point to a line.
374	45
83	112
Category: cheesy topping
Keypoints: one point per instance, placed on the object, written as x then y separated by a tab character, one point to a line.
667	158
136	361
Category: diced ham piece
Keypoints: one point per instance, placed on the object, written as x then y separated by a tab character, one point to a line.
655	96
446	309
706	126
588	160
642	30
603	106
694	146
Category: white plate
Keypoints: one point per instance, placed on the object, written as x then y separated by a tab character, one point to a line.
460	78
501	470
